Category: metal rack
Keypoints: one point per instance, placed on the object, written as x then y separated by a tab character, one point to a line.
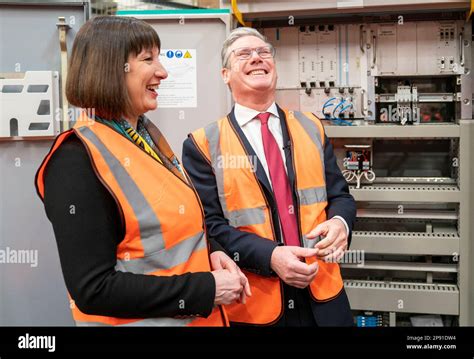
408	243
428	270
403	297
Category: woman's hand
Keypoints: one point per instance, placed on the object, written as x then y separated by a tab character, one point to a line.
227	275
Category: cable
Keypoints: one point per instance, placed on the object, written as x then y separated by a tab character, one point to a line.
336	120
335	108
346	107
328	105
238	14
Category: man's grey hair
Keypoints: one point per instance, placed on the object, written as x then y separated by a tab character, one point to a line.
233	37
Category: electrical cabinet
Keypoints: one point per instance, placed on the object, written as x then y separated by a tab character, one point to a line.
393	88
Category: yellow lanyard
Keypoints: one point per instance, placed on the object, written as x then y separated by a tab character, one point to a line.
142	143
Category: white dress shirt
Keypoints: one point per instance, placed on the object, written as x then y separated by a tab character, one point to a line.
250	125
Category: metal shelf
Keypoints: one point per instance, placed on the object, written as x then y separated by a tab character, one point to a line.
410	243
407	213
393	131
407	193
403	297
27	138
422	97
404	266
252	9
416	180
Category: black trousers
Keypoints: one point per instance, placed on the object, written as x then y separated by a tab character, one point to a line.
301	311
297	308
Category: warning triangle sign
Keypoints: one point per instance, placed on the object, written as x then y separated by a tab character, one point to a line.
187	55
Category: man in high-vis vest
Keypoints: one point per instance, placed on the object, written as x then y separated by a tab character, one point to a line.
273	196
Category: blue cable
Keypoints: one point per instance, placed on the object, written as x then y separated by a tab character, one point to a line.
344	122
346	107
335	108
337	121
325	104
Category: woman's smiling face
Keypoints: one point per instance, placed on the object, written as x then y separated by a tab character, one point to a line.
143	76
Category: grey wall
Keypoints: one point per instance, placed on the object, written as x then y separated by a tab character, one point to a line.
30	295
213	101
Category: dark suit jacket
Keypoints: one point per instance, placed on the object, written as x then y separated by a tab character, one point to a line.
255	252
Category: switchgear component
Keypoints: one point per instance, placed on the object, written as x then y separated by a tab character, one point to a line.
358	164
417	100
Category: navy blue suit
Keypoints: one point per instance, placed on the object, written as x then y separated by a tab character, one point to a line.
255	252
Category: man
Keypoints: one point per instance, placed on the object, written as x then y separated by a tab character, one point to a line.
268	181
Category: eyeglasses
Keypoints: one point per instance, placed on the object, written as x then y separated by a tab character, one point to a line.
244	53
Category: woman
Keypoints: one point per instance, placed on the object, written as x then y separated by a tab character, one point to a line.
128	223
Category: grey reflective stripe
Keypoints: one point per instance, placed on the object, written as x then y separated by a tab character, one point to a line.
91	324
241	217
310	243
150	322
313	132
247	217
312	195
213	136
165	259
150	227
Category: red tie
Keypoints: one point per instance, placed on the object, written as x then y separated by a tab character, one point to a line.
280	184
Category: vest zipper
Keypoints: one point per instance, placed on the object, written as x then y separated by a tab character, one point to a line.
295	187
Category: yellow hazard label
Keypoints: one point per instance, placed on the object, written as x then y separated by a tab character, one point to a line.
187	55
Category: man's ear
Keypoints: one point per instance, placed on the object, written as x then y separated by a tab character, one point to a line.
225	73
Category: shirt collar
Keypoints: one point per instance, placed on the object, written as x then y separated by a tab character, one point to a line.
244	115
126	125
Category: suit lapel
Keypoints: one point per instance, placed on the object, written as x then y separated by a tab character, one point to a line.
262	177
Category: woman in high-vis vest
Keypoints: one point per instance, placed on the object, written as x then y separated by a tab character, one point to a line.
128	223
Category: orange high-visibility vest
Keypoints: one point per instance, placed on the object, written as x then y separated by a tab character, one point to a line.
245	207
163	217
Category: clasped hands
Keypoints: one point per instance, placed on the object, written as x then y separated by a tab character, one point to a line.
288	261
231	284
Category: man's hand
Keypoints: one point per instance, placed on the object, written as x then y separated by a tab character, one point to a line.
332	247
220	260
287	262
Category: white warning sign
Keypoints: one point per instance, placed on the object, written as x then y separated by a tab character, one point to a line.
180	88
